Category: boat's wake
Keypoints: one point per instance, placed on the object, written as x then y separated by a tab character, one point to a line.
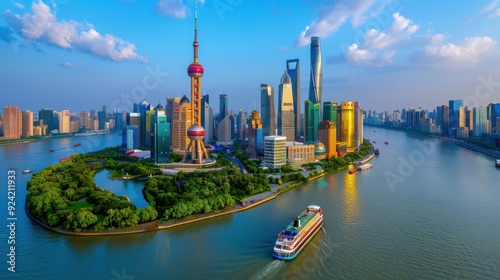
270	271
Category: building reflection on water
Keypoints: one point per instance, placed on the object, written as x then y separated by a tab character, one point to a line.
350	202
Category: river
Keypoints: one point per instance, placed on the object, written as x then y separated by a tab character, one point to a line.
428	209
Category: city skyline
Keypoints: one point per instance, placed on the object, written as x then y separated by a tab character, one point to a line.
385	54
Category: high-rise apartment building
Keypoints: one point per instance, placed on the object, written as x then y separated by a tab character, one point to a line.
12	122
172	103
224	131
64	121
267	115
102	118
469	119
181	123
130	137
479	115
147	112
27	126
462	116
358	125
494	114
84	120
1	125
275	151
242	124
207	119
454	115
232	119
118	119
293	70
286	114
311	121
47	116
442	119
316	73
205	99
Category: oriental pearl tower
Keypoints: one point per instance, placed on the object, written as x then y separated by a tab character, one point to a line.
196	132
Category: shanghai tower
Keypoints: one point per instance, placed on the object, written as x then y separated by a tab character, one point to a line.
316	78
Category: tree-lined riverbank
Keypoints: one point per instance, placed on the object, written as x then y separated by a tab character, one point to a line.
65	199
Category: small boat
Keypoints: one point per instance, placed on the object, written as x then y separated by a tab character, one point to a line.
365	166
387	143
77	144
377	152
374	142
51	150
26	171
497	163
293	238
352	171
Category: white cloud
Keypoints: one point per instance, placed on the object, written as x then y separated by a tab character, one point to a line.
492	9
469	51
66	64
335	15
172	8
373	51
19	5
400	29
366	57
42	25
465	55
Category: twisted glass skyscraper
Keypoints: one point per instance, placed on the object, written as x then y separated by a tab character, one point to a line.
316	78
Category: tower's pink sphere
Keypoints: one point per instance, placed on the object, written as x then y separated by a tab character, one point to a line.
196	132
195	70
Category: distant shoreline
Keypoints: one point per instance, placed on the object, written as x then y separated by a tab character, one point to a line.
458	142
6	142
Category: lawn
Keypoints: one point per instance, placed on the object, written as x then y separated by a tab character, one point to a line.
82	204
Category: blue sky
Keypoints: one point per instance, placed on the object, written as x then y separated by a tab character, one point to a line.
387	54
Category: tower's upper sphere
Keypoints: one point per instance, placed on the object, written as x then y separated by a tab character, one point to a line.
195	70
196	132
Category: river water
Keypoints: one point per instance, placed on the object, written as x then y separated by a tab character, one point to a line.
428	209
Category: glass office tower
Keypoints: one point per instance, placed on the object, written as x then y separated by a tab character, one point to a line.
311	121
267	109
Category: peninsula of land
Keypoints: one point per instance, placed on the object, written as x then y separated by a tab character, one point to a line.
64	198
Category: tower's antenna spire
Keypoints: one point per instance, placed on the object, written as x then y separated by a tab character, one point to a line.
195	43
